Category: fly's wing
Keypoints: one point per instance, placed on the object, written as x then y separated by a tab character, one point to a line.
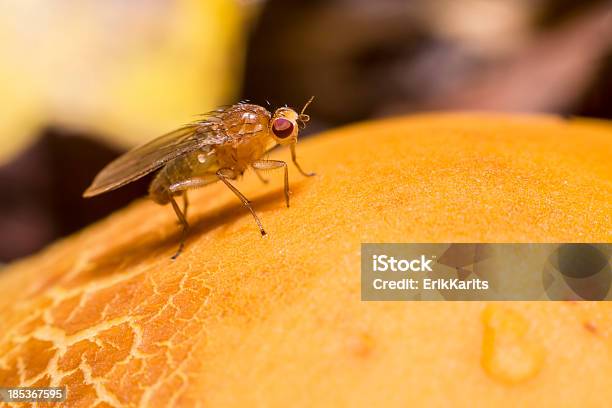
149	157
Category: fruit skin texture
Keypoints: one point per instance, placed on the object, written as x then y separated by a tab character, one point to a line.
241	320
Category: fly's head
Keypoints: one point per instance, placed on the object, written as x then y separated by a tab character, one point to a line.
286	123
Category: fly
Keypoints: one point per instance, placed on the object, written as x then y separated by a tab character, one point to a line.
219	147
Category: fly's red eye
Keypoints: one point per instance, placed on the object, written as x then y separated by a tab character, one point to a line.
282	128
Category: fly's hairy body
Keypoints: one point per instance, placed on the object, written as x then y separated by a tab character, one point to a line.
247	126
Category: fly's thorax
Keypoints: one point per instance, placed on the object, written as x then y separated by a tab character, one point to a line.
239	155
246	120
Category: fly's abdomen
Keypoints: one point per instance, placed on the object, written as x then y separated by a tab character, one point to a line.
201	163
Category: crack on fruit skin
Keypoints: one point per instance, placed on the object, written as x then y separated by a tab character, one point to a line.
51	371
21	370
62	341
136	342
83	299
145	400
102	394
172	402
82	263
61	293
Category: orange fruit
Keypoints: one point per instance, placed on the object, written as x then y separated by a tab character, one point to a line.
240	320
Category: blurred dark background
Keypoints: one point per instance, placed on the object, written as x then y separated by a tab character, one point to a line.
362	59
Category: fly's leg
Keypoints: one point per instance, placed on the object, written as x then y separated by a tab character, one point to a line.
185	203
183	222
274	164
224	175
262	178
195	182
190	183
294	160
181	187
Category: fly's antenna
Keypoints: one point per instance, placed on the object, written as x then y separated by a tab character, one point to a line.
302	117
306	105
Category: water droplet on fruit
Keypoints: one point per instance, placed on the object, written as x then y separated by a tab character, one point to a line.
509	354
